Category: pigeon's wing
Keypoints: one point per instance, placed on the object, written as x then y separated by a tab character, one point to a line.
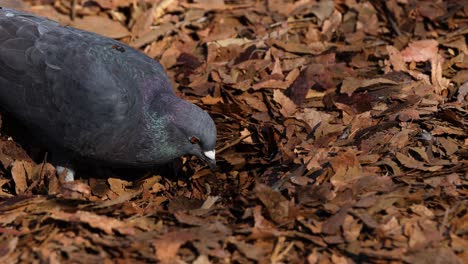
75	88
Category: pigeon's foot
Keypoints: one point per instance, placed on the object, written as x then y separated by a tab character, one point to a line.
70	174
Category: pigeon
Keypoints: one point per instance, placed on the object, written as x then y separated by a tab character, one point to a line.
88	96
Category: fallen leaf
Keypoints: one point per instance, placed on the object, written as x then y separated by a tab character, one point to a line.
104	223
102	25
313	117
334	223
169	244
351	84
288	108
421	50
119	186
21	171
275	203
346	167
410	162
7	247
462	93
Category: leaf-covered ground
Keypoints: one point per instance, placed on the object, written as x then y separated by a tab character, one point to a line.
342	138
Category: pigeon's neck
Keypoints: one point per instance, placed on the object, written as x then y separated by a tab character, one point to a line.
159	134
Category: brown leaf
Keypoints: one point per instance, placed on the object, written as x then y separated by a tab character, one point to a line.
367	18
271	83
331	25
351	84
51	13
251	251
441	83
112	4
463	93
449	145
209	100
337	259
432	10
421	50
75	189
2	191
235	159
372	184
323	9
102	25
150	36
313	117
276	205
440	255
333	224
346	167
21	172
396	59
189	219
422	210
169	244
287	106
301	86
143	23
208	4
7	247
119	186
104	223
412	163
16	4
183	203
292	47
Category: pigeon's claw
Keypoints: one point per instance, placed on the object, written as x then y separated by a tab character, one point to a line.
70	174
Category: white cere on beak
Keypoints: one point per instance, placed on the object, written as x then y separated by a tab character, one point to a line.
210	154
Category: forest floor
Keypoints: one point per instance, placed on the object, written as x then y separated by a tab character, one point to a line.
342	138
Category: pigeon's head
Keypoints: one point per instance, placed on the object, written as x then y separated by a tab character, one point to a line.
198	129
190	129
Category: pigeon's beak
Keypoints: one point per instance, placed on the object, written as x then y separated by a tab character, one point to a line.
210	158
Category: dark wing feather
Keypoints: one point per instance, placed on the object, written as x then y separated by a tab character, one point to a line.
79	90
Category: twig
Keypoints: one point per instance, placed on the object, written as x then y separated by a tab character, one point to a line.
73	10
235	142
390	16
291	21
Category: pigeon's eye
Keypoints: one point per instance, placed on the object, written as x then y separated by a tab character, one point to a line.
194	140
